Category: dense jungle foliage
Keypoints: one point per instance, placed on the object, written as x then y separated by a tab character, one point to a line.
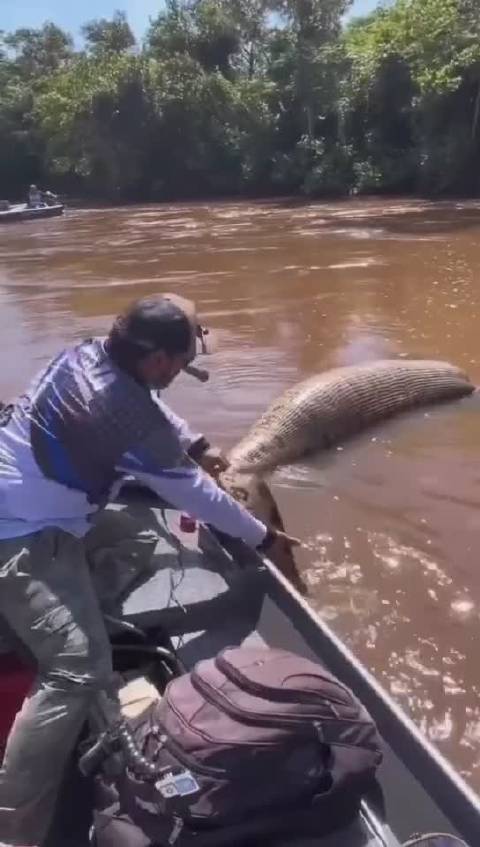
250	97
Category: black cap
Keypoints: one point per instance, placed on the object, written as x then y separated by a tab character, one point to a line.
162	322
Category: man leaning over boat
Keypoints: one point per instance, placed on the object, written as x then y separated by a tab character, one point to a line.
87	421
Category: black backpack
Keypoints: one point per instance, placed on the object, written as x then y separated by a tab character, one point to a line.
253	743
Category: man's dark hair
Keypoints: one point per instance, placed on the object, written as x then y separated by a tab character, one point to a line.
150	324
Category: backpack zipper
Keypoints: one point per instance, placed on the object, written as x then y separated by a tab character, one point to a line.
213	697
307	722
285	696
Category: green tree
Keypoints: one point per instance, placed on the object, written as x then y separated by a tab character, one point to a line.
313	23
28	58
235	96
39	52
434	47
204	30
252	20
104	36
94	119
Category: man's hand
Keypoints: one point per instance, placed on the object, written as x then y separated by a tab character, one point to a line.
210	459
213	462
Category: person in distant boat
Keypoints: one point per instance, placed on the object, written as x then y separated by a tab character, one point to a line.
88	420
34	197
50	198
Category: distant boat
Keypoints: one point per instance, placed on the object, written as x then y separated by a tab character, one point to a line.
24	212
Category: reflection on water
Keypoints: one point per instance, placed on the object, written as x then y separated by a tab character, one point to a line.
391	520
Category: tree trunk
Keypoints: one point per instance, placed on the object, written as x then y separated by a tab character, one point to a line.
309	113
251	61
476	113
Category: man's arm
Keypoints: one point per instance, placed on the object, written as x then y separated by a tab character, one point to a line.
186	436
196	445
188	488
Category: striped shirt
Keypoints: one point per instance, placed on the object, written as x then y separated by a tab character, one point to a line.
82	426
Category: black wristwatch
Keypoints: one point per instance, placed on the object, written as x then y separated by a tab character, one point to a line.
267	542
198	448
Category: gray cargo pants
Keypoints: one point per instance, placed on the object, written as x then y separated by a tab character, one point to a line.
53	588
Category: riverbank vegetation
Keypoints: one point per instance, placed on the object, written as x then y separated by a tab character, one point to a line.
247	97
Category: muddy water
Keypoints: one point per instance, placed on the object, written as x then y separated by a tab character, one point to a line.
392	519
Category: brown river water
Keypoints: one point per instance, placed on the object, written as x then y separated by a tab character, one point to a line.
391	520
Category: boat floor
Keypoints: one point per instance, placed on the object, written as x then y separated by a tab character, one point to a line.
206	600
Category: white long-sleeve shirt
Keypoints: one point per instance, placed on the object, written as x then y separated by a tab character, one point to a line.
81	427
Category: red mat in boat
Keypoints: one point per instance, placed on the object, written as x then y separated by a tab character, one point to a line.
16	679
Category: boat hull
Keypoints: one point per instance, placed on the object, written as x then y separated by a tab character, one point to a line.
24	213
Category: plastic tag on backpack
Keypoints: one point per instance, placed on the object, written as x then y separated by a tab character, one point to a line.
179	784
